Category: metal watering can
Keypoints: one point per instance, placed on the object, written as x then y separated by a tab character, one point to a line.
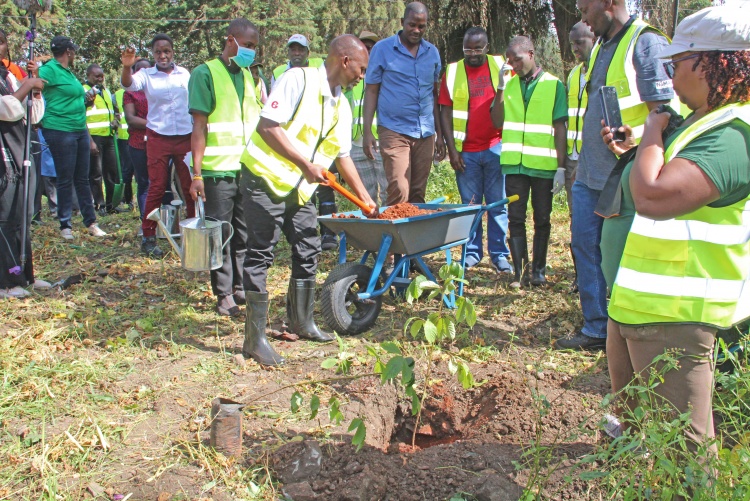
201	237
170	216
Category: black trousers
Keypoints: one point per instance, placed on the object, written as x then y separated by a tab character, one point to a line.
11	213
541	203
224	203
103	167
267	217
126	166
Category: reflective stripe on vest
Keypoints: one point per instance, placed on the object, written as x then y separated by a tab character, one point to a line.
578	99
693	268
304	133
358	99
621	75
313	62
458	89
99	116
528	134
122	131
229	125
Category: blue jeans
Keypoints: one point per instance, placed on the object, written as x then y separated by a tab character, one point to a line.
586	231
70	152
140	171
483	181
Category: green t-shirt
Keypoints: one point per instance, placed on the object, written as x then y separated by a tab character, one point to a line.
559	112
202	99
722	153
64	96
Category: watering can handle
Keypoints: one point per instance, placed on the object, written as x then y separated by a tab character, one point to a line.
231	232
200	212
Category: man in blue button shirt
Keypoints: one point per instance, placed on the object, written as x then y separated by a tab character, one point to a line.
402	85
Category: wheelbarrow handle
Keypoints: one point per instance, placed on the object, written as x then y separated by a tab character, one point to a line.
485	208
346	193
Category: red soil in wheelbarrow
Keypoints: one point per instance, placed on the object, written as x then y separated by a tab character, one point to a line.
398	211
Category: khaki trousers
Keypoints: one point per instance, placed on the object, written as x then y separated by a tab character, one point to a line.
632	349
407	162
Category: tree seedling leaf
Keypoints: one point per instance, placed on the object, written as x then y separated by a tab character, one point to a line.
296	401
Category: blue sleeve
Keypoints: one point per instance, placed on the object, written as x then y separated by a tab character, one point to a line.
438	66
652	81
375	67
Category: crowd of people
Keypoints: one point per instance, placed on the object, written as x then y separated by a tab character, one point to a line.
659	217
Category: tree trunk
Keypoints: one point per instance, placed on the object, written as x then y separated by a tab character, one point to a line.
566	15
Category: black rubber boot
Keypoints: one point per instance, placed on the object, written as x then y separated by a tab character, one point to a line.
328	239
300	304
539	258
519	254
256	345
149	248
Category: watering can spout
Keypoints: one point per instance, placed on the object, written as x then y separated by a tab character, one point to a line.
155	215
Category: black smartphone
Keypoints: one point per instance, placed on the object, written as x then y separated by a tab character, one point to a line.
611	107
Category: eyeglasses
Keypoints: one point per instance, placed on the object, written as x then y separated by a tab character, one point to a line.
475	52
669	65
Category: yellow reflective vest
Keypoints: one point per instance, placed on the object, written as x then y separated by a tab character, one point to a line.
358	101
528	132
230	125
693	268
99	116
305	132
122	131
622	76
578	100
458	90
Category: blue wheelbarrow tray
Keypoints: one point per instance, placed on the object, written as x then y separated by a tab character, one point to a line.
412	235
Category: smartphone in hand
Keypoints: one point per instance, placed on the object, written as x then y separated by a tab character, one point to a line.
611	108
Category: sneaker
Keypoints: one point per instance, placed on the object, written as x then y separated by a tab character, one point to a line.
149	247
15	292
66	233
581	342
471	261
140	231
95	231
41	285
329	242
502	265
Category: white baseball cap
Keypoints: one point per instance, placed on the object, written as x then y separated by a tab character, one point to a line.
297	38
725	28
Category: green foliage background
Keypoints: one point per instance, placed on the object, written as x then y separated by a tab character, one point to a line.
103	28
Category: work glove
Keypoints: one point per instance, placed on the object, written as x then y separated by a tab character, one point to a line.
559	182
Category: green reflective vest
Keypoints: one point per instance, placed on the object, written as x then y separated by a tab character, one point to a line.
693	268
229	125
122	131
578	99
458	90
358	100
99	116
622	76
305	133
313	62
528	133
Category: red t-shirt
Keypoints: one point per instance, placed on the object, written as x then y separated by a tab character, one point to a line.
480	134
137	137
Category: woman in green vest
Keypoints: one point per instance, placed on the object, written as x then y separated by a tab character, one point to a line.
682	237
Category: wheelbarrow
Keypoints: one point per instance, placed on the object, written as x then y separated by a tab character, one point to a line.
352	294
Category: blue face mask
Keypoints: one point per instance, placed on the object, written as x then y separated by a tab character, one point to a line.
244	57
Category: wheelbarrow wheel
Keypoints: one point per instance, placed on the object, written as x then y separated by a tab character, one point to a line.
342	310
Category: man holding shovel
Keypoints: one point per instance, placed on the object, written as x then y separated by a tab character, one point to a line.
225	111
304	127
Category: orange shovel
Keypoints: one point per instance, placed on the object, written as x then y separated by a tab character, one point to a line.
346	193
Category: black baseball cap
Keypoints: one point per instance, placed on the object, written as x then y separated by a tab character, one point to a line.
60	44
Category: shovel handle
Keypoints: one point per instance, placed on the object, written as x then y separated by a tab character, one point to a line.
346	193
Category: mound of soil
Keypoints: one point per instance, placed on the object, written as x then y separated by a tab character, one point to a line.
403	210
466	442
